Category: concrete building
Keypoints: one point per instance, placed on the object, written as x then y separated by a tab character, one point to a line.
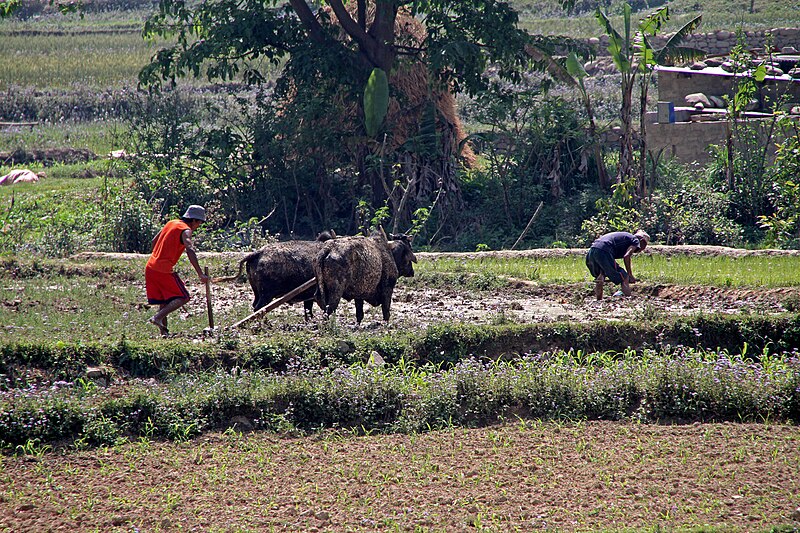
692	106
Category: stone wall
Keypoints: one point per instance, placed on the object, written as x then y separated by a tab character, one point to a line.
686	141
675	83
719	42
690	141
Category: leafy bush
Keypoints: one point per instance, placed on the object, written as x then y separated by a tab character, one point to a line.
618	212
680	384
129	223
741	166
783	226
688	210
533	148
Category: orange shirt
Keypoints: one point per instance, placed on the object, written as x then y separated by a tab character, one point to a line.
168	247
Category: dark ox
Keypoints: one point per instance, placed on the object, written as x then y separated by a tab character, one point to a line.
280	267
364	269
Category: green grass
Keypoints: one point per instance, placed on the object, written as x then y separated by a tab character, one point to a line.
99	137
61	214
98	300
61	60
74	300
545	17
752	271
107	50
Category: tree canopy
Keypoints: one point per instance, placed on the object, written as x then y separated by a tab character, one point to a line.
221	38
347	64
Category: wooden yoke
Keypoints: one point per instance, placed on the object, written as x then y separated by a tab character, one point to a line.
277	303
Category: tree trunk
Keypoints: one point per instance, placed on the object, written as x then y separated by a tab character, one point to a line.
642	181
626	142
602	173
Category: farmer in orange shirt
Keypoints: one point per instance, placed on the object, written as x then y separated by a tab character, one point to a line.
164	287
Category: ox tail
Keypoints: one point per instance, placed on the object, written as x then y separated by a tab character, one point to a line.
235	276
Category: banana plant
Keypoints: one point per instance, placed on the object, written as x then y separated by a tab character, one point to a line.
621	48
649	57
578	74
376	101
633	55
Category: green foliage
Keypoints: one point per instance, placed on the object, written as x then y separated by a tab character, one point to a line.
376	101
324	77
99	431
14	7
742	166
40	220
8	7
617	212
783	226
634	57
685	209
532	147
675	384
129	224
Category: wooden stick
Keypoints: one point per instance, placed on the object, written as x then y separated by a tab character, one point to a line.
529	224
208	301
276	303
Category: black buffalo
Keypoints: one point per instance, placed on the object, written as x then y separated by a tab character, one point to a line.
278	268
364	269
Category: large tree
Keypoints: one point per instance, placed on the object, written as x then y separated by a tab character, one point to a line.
395	47
217	36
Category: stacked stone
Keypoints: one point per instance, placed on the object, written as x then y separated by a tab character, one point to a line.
719	42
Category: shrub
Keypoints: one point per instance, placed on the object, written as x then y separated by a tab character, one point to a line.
783	226
679	384
129	223
688	210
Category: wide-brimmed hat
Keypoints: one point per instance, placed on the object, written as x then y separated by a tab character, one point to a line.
196	212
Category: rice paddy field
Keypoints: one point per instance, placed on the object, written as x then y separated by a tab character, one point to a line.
501	395
546	17
285	424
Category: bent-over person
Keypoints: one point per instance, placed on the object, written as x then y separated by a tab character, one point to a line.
602	259
164	286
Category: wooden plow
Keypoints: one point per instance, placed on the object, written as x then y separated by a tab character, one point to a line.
277	303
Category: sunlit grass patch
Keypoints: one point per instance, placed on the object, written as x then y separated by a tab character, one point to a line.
99	137
61	60
720	271
546	17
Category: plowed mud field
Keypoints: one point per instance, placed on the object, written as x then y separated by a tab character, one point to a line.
521	477
519	301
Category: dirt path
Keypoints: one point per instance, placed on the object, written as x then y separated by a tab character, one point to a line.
572	477
521	301
694	250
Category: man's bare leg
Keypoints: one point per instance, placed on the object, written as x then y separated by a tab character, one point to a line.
598	286
160	318
625	286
